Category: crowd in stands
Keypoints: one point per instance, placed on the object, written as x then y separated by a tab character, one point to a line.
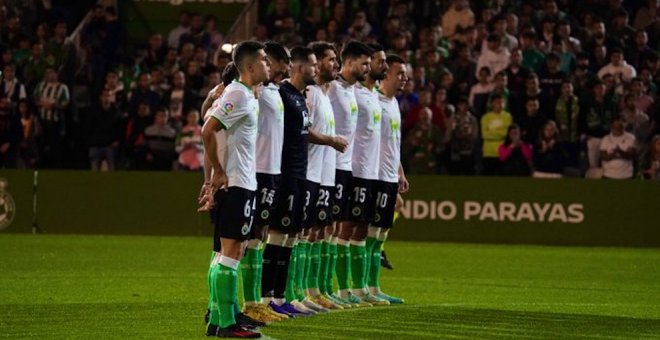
544	88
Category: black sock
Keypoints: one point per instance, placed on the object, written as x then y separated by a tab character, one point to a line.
282	272
271	254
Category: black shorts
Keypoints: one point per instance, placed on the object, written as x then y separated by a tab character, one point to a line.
311	195
290	205
234	214
386	193
267	191
340	205
362	205
324	206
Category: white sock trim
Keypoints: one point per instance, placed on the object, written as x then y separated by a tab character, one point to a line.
254	244
276	239
342	242
216	258
279	302
334	240
229	262
358	243
383	235
373	232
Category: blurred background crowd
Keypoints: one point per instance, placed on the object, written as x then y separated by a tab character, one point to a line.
545	88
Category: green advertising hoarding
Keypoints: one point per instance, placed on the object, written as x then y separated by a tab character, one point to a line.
438	208
534	211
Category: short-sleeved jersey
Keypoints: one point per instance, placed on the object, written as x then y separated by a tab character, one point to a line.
270	131
323	121
296	132
237	111
390	139
366	148
345	109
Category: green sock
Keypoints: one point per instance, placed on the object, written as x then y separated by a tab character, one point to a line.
226	293
308	264
332	266
343	266
369	246
374	264
290	291
214	317
314	265
358	265
300	270
323	269
258	273
248	271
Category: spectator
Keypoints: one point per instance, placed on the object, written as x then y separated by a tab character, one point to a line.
408	99
11	90
189	143
415	115
647	16
196	33
596	114
532	122
619	28
500	87
179	100
495	57
573	45
622	72
567	111
52	99
211	33
494	126
636	122
463	143
458	15
103	132
480	92
442	110
533	58
34	66
28	150
61	52
548	156
175	34
10	136
617	151
515	155
155	51
159	141
143	94
134	140
499	26
582	77
643	101
463	70
551	78
651	162
639	51
116	90
360	29
516	74
274	19
566	58
424	145
171	62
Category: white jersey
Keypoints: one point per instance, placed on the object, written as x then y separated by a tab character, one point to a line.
220	136
390	139
237	110
323	121
618	168
270	131
345	109
366	149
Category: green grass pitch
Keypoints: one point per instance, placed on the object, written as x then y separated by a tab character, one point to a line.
87	287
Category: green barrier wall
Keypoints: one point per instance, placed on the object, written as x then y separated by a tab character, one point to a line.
448	209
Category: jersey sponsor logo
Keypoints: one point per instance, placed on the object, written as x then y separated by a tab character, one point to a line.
377	116
246	229
228	108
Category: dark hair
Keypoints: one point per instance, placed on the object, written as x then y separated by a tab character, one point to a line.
375	47
244	51
494	37
355	49
393	58
507	140
487	69
552	56
229	73
495	97
276	51
300	53
319	48
616	50
615	117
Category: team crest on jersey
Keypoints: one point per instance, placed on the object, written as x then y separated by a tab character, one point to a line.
357	211
265	214
286	221
246	229
228	108
335	209
377	217
322	215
